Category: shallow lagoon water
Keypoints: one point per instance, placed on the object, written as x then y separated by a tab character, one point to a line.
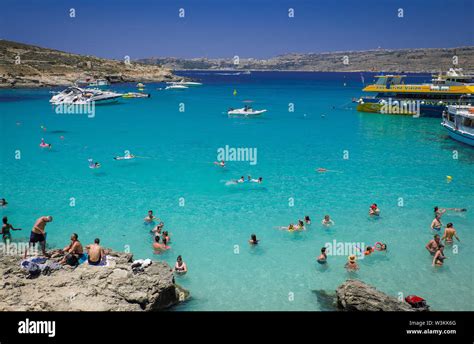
390	157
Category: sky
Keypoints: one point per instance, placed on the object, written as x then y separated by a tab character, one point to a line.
225	28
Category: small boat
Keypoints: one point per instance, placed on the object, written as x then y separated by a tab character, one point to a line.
136	95
175	87
140	85
245	111
458	120
185	83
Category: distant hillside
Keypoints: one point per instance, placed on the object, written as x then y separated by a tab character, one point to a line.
23	65
405	60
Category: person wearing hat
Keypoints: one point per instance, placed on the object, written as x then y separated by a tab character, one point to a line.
352	263
374	210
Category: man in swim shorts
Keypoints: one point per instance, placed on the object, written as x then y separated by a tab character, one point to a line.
73	252
439	256
95	252
449	233
433	244
38	233
436	223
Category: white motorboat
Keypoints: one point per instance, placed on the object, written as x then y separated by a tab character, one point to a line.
458	120
185	83
175	87
245	111
76	95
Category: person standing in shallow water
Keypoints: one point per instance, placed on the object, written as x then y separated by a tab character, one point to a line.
180	266
449	233
322	259
433	244
6	227
253	240
436	223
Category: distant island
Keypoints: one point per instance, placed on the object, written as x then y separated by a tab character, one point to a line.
23	65
431	60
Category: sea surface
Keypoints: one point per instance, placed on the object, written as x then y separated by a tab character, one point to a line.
401	163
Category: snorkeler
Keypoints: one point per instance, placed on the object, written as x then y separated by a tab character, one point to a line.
150	217
449	233
127	156
44	144
374	210
351	264
436	223
327	221
93	164
6	227
253	240
220	163
322	259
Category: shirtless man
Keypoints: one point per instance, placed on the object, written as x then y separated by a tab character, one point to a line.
6	227
73	251
150	217
95	252
38	233
374	210
449	233
432	245
160	247
436	224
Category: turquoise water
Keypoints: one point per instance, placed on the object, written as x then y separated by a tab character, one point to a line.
389	157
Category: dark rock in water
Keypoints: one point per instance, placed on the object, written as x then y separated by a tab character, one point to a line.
89	288
326	300
354	295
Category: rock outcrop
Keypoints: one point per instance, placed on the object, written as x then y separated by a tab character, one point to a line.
23	65
354	295
89	288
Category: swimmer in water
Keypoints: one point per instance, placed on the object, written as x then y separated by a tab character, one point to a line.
436	223
93	164
6	227
368	251
150	217
158	228
166	236
300	225
433	244
44	144
439	256
127	156
374	210
379	247
241	180
322	259
253	240
327	221
220	163
180	266
449	233
160	247
439	212
307	220
321	170
259	180
3	202
351	264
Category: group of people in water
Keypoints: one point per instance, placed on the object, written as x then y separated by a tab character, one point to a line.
435	246
161	239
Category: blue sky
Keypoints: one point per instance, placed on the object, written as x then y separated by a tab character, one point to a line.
213	28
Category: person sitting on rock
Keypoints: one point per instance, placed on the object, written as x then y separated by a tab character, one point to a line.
95	252
73	252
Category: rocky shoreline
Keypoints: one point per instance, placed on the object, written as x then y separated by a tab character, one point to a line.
28	66
115	287
357	296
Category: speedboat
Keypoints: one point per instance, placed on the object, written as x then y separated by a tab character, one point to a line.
77	95
175	87
185	83
245	111
458	120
